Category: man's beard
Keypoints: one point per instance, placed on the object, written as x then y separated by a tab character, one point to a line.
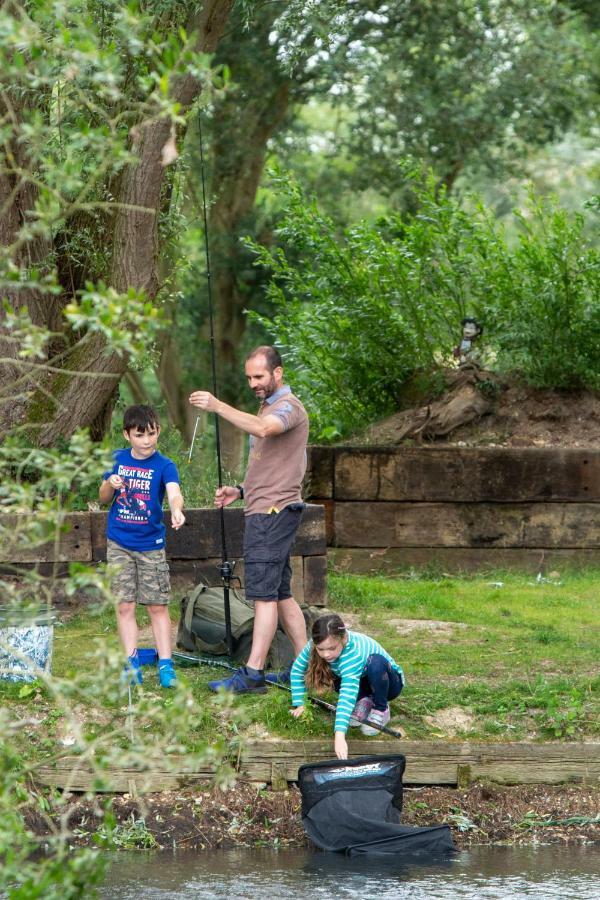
264	393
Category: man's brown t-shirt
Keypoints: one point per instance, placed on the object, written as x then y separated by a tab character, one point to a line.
276	465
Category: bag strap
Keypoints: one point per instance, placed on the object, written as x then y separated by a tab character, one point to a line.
189	610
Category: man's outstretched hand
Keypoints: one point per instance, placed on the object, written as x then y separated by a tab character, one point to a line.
226	495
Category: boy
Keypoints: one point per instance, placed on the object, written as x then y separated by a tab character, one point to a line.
136	536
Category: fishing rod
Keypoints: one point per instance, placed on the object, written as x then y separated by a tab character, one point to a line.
316	701
227	566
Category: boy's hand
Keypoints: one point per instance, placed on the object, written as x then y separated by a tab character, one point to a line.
297	711
116	482
340	746
204	400
177	519
226	495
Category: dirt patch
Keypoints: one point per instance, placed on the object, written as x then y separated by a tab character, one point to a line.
441	629
249	815
520	416
451	721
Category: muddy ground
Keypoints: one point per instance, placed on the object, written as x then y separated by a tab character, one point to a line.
249	815
519	416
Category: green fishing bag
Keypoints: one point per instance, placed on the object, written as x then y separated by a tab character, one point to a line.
202	626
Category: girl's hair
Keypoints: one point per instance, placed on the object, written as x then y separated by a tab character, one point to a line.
319	676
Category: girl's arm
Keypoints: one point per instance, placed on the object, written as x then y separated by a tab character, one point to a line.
297	683
340	745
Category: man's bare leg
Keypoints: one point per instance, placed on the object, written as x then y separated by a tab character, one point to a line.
292	621
265	626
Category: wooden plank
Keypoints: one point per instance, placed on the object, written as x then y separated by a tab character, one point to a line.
200	537
427	762
566	525
72	774
391	560
467	474
18	546
318	481
297	579
315	580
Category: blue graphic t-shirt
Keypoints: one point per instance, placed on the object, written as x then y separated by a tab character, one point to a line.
135	519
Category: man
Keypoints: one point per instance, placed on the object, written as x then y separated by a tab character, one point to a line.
273	507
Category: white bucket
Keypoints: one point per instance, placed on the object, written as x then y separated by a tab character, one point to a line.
26	647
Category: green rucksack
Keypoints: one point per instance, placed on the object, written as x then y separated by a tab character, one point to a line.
202	626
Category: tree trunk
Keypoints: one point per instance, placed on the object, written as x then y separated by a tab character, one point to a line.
254	111
81	393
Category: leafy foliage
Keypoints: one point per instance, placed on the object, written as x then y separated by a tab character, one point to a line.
360	312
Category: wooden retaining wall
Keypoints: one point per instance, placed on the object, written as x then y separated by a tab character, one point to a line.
276	762
194	550
459	508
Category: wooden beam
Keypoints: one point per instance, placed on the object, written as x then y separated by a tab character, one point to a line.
71	545
200	537
391	560
565	525
427	762
319	473
468	475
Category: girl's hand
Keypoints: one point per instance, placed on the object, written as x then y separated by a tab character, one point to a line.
297	711
116	482
340	746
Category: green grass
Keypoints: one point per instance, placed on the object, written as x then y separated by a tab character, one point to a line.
520	659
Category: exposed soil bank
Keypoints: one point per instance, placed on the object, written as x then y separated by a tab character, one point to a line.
250	815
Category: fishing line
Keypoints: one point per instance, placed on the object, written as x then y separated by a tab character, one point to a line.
226	567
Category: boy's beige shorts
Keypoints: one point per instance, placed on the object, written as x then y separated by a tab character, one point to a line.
143	575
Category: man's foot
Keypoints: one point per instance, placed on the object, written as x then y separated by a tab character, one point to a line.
282	677
166	673
132	672
378	717
241	682
361	711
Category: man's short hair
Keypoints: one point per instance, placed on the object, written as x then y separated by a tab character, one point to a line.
140	417
271	355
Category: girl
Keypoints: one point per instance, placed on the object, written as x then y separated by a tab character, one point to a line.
356	666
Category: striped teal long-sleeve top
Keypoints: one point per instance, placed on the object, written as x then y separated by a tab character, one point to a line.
349	666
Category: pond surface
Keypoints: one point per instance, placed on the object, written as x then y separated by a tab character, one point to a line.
484	873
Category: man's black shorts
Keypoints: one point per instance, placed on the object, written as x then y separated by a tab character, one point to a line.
268	539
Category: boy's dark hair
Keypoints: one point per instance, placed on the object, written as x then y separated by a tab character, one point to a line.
140	417
271	354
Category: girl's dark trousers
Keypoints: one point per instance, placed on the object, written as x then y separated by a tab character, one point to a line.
380	681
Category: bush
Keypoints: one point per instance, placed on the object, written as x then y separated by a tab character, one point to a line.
359	313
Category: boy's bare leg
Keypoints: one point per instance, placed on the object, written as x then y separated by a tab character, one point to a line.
265	626
292	621
127	626
161	629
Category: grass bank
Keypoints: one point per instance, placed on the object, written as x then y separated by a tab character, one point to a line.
496	658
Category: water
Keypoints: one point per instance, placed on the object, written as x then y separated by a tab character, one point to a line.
484	873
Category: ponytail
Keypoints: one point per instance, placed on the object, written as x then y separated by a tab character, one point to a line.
319	676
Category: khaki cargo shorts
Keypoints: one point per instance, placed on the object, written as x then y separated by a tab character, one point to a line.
143	576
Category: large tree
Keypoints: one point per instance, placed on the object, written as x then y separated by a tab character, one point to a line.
453	87
92	101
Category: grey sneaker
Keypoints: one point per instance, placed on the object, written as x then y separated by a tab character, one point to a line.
378	717
360	713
